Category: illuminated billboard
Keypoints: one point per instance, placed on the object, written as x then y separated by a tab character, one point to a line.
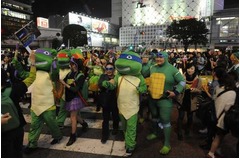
84	21
99	26
42	22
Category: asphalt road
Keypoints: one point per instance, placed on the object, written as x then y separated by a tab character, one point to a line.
88	144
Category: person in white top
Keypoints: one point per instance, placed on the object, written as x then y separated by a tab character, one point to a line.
222	105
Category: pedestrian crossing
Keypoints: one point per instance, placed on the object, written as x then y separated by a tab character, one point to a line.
87	142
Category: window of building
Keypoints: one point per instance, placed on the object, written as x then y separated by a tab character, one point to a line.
228	26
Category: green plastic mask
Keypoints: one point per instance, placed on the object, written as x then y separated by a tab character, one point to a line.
44	58
129	63
63	58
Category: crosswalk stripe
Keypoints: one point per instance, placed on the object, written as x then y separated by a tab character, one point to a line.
92	123
84	145
85	109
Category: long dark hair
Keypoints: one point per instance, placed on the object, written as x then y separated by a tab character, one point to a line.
224	79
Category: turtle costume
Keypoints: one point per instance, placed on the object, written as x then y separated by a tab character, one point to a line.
130	83
63	58
165	79
43	109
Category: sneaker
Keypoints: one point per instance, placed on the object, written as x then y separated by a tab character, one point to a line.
55	141
29	150
128	153
203	131
165	150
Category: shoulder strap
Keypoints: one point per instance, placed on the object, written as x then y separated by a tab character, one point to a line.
78	75
226	90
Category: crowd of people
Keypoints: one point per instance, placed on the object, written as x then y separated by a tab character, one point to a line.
155	81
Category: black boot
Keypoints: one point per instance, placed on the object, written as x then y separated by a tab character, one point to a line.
105	137
72	139
84	126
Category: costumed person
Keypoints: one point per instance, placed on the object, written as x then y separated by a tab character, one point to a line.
130	83
96	70
63	61
165	83
73	83
189	98
43	109
12	131
108	101
63	58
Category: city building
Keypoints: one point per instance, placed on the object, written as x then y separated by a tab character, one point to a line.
225	29
14	15
144	22
100	32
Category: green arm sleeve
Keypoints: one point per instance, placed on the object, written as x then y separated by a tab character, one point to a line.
22	73
32	76
180	82
142	88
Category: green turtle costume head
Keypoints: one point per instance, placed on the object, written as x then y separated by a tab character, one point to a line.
129	63
77	54
63	58
44	58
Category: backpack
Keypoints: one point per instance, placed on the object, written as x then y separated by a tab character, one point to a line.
231	119
206	111
7	106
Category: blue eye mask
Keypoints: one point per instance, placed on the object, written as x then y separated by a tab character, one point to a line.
130	57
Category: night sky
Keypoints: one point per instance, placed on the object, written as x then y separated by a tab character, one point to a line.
95	8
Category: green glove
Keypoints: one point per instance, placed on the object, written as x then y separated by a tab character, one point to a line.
105	84
141	89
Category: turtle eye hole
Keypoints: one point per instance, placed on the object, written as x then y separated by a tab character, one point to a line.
129	57
46	53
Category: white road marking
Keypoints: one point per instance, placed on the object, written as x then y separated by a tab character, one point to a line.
84	145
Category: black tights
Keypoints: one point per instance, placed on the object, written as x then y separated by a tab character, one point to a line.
181	114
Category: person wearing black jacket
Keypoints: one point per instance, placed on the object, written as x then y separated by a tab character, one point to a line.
108	100
12	132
